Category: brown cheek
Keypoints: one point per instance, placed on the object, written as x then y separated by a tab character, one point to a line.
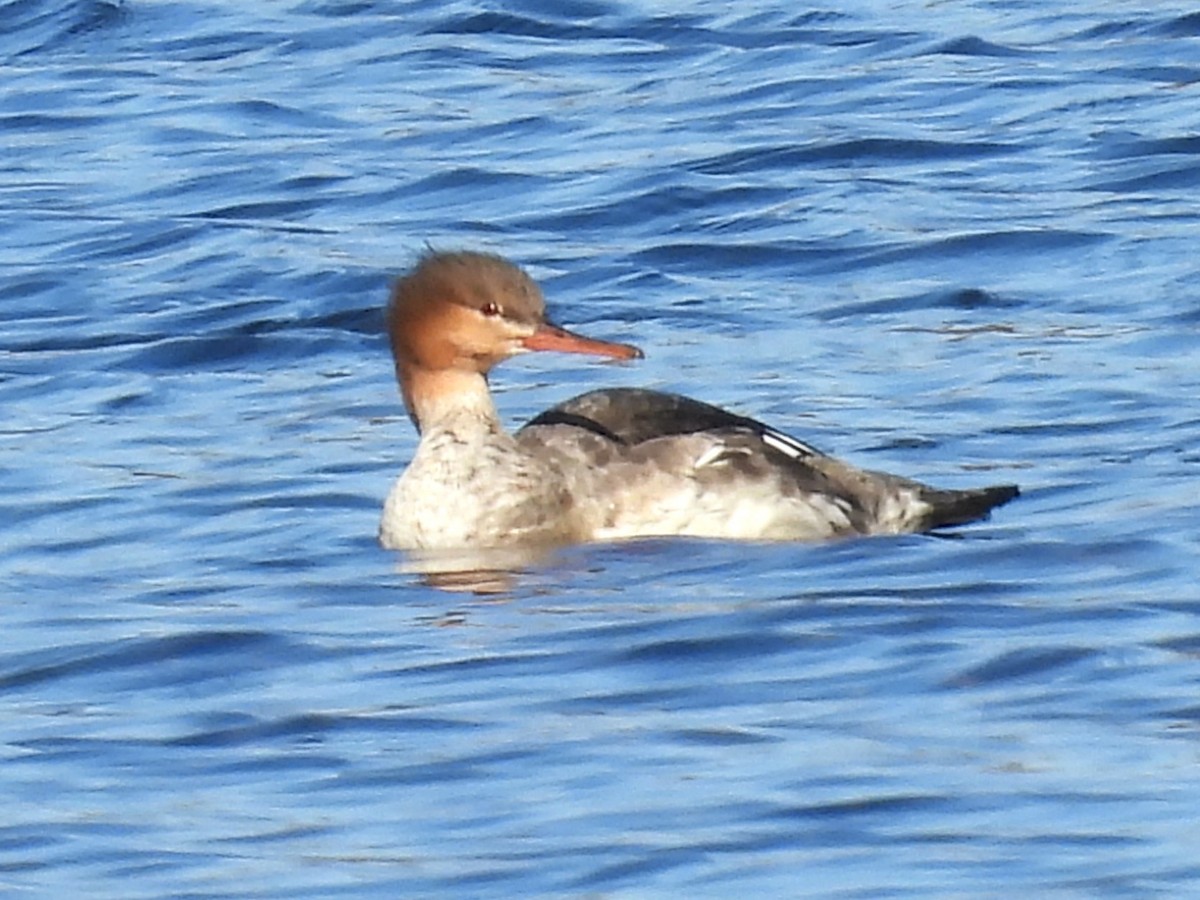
473	339
421	340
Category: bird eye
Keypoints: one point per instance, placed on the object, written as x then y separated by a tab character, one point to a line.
491	308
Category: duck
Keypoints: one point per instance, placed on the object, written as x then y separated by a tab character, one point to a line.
611	464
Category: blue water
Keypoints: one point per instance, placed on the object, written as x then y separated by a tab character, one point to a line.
956	241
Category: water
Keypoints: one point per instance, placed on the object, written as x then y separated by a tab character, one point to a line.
955	241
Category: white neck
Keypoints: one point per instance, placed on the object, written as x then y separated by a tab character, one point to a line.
433	396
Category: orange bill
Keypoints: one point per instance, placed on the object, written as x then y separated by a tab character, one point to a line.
551	337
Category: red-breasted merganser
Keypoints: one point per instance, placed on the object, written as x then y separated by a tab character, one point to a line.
609	464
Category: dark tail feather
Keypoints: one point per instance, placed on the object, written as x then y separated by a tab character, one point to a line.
949	508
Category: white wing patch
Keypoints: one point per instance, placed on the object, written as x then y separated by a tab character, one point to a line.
717	453
787	445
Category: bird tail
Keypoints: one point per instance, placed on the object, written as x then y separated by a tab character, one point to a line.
950	508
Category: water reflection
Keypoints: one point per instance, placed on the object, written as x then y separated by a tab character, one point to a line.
491	570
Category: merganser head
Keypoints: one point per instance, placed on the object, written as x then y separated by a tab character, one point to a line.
470	311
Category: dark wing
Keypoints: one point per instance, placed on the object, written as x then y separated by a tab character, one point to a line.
631	416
